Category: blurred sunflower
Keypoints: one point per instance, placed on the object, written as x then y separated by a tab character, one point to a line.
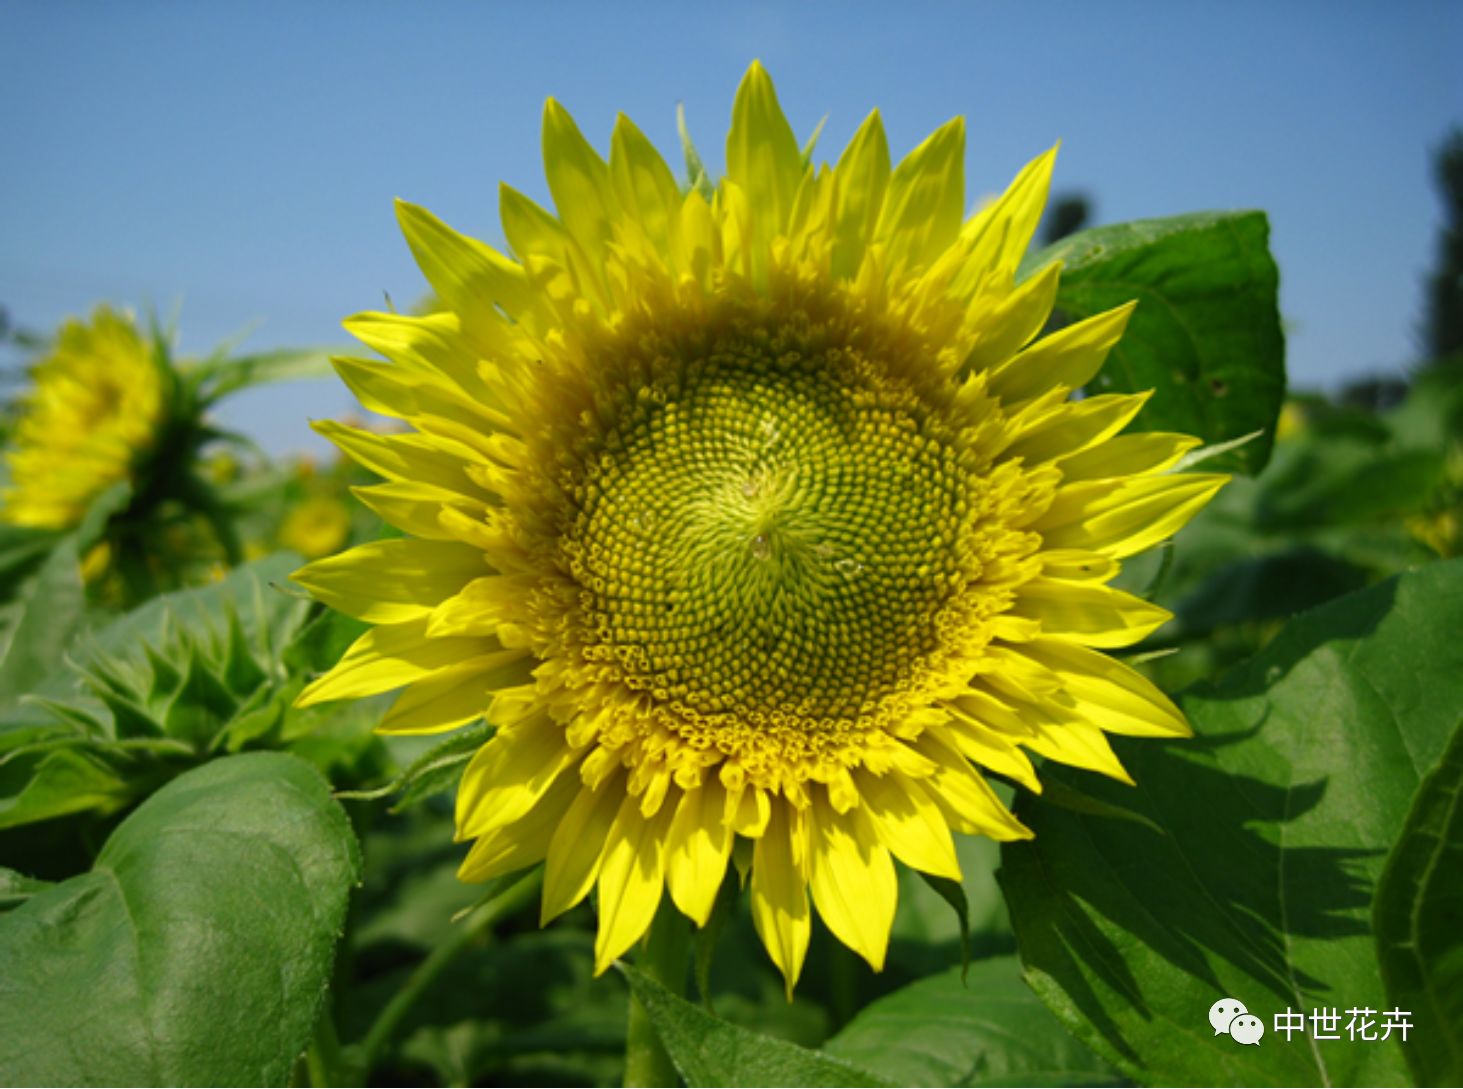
93	414
753	518
315	526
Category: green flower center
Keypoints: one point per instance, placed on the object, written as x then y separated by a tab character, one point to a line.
771	532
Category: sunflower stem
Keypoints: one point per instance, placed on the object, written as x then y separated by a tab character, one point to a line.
842	984
665	958
477	925
323	1059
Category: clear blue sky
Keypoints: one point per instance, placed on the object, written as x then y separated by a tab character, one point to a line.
243	158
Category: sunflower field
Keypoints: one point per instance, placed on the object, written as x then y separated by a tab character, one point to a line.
788	626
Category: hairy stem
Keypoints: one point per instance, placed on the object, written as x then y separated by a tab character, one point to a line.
664	958
477	925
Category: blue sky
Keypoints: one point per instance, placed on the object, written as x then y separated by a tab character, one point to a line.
243	158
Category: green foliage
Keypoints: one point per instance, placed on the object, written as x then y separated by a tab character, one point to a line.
222	375
1301	852
436	771
708	1051
1205	337
1418	917
197	949
41	613
986	1028
186	677
1275	823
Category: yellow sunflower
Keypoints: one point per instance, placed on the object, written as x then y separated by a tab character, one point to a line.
754	523
315	525
94	410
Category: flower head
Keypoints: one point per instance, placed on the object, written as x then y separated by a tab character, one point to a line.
756	519
92	414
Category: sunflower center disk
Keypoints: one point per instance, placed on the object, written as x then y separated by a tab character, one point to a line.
771	539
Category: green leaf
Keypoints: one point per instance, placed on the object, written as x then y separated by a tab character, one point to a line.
435	772
149	695
1273	586
45	780
709	1051
1206	335
953	893
696	176
197	950
49	606
16	888
1419	923
21	548
217	379
439	769
1275	820
989	1030
256	592
1335	482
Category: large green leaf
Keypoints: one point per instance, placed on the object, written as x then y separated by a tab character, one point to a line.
1206	335
1275	821
710	1051
989	1030
1419	922
197	949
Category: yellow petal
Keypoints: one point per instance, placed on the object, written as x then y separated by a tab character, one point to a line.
780	909
1000	234
386	582
1076	565
574	853
1081	746
1128	455
698	849
1007	326
579	181
1119	518
925	201
479	608
1074	426
969	803
862	175
409	458
989	747
507	848
1088	613
389	656
631	877
469	277
699	248
1108	693
401	393
853	881
762	156
1070	357
456	696
409	506
430	342
509	774
644	184
909	823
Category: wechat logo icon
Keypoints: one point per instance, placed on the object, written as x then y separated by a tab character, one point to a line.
1229	1016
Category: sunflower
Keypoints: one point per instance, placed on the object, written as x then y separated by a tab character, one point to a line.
315	525
92	414
757	520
